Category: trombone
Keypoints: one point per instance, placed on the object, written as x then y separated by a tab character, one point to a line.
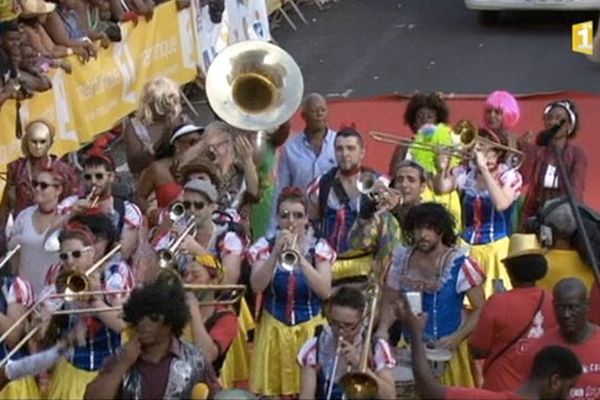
9	255
468	135
78	282
76	286
236	293
360	385
34	310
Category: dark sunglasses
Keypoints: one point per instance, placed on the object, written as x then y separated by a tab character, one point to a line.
42	185
288	214
198	205
98	175
75	254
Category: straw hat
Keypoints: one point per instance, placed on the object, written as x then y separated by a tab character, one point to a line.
524	244
33	8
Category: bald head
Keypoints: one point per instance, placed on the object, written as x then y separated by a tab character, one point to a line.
570	308
314	113
570	287
310	99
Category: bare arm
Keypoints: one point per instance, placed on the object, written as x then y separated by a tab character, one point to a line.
262	272
112	319
443	181
231	268
145	188
200	335
308	383
319	278
58	33
386	384
14	312
502	196
107	383
135	151
129	241
387	316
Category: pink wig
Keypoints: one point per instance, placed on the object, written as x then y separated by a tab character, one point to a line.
506	102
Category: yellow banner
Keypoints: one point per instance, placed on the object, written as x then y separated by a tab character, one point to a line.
101	92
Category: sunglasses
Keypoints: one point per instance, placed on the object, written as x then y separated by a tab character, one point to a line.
198	205
288	214
75	253
42	185
98	175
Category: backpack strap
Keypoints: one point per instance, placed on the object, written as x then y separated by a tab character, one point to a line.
324	188
119	206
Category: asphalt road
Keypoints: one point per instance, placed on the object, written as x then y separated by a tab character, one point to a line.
362	48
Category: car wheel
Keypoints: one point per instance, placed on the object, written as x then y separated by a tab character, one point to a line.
489	17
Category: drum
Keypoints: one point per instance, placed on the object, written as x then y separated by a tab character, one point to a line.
438	357
403	376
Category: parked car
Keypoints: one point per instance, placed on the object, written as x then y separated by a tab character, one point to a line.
489	10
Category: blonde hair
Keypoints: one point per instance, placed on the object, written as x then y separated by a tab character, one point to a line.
160	99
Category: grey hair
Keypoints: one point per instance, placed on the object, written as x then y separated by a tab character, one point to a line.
311	98
219	127
561	219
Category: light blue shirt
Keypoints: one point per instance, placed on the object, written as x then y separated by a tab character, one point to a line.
299	164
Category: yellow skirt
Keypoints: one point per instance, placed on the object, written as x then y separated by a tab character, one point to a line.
449	200
68	382
458	371
489	256
235	371
352	267
275	371
21	389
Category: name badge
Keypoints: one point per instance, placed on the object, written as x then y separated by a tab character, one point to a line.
551	178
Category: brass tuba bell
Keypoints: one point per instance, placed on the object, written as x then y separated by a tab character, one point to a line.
254	85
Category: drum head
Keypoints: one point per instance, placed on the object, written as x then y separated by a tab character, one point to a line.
438	354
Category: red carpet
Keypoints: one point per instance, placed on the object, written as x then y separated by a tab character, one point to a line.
385	114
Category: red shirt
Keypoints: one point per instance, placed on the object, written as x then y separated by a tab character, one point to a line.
459	393
504	316
224	329
594	311
588	385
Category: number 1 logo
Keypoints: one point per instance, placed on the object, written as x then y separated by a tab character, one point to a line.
581	38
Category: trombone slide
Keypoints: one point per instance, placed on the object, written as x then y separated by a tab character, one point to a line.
9	255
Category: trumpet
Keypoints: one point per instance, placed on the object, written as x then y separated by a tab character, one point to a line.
166	257
9	255
360	385
290	258
78	282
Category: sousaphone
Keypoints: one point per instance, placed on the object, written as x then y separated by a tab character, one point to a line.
254	85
